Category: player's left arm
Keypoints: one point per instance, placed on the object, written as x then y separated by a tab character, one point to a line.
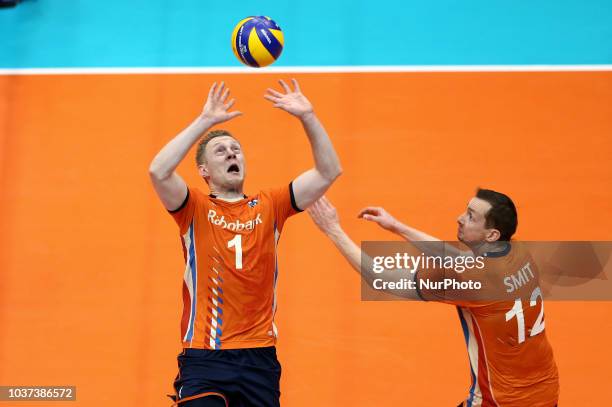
325	216
418	238
312	184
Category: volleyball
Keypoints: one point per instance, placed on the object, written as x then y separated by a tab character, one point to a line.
257	41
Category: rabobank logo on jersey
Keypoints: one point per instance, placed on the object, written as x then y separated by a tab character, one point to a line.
236	225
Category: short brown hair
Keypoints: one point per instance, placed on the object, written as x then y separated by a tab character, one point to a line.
206	139
502	215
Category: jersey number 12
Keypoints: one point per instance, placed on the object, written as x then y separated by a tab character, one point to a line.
517	311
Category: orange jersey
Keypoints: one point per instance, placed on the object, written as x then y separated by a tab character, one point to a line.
511	360
229	297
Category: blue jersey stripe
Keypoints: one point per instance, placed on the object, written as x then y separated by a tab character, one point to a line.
466	336
194	282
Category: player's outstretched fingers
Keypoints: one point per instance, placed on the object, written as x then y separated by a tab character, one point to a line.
285	86
271	98
225	95
229	104
274	93
296	85
313	211
219	90
319	207
370	210
326	203
234	114
211	92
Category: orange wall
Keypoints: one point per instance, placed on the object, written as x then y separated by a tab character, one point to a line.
91	266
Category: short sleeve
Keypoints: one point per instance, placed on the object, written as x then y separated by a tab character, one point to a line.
183	215
284	204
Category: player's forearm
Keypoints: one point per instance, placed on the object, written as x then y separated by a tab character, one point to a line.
411	234
357	258
352	253
346	246
325	157
170	156
422	241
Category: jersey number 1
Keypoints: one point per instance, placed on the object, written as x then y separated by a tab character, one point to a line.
237	243
517	311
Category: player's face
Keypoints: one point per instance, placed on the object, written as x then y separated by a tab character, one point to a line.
472	223
225	165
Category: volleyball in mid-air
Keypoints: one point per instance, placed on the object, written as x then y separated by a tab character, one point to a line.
257	41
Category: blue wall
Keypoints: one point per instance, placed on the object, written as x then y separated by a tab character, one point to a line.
157	33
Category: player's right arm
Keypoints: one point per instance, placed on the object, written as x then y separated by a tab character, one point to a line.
169	186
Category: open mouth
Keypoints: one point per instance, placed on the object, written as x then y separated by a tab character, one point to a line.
233	169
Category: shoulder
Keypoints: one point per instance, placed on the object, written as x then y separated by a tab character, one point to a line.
198	196
197	192
195	198
271	194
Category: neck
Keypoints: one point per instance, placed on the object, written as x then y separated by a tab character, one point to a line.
227	194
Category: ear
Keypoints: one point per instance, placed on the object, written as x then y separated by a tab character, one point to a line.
493	235
203	170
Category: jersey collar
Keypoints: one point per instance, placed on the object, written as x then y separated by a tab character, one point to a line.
500	253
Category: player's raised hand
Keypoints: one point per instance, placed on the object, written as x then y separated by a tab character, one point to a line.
292	101
324	215
379	215
216	109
